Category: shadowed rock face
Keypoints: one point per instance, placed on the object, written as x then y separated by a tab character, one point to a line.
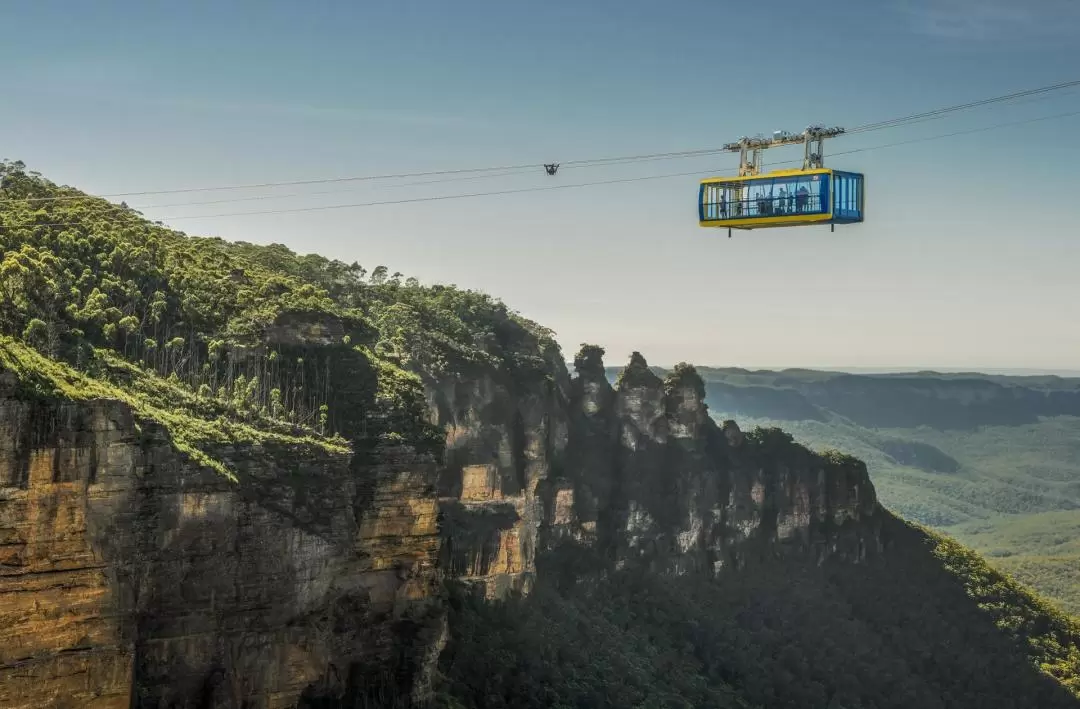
130	577
638	473
684	495
505	436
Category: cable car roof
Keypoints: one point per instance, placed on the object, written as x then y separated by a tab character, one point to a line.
769	175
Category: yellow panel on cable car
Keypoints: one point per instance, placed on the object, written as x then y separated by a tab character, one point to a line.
782	198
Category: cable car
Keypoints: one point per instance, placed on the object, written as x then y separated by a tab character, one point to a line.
782	198
812	195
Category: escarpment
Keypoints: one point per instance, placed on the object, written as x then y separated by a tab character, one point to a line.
131	577
130	574
637	473
505	434
675	491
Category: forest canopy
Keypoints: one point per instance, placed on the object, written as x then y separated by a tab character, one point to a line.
259	335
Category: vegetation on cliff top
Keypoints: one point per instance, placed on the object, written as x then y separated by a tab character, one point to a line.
206	336
1051	638
195	425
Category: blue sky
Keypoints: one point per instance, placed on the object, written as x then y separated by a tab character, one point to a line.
967	260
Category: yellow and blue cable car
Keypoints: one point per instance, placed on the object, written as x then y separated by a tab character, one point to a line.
813	195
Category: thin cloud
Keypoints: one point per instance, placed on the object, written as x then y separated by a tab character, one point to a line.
991	20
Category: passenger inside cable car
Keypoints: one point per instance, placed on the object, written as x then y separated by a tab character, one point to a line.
765	197
782	199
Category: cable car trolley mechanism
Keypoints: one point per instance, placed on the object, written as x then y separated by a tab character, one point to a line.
813	195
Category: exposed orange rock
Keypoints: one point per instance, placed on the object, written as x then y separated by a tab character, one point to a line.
124	569
130	575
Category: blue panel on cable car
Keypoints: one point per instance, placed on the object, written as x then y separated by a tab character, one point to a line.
782	198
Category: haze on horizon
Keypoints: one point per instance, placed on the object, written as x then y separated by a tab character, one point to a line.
960	263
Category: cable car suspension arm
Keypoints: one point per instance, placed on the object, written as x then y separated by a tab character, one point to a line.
813	138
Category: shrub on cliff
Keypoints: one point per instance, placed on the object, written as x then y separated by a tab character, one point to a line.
589	360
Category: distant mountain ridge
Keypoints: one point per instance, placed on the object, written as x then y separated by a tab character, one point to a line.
919	369
990	459
947	401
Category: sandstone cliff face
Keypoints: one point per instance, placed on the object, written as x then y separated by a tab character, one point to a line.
130	578
639	473
677	492
503	438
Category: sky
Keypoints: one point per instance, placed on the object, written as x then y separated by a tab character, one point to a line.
967	259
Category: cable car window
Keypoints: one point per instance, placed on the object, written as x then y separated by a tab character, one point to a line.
847	203
847	200
765	197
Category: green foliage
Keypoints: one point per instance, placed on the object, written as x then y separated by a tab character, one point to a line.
79	272
229	326
1052	638
1056	575
197	426
585	649
840	459
436	330
684	375
930	625
771	439
636	373
1042	550
400	395
589	359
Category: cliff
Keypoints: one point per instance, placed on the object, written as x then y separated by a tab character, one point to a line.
988	459
638	473
132	574
684	563
131	577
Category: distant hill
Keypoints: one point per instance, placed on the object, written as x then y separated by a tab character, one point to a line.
1007	371
946	401
991	459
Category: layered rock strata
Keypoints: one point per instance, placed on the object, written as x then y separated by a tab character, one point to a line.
131	577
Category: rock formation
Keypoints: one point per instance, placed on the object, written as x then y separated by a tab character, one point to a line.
131	577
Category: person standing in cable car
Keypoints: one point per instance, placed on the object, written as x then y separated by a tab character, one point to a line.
801	198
